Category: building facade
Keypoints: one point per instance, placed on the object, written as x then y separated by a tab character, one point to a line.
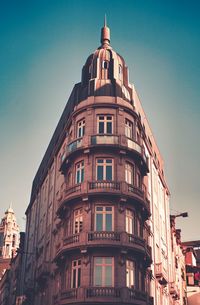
98	227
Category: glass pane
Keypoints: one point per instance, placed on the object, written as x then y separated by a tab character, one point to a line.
108	172
109	127
83	131
101	127
99	222
78	177
74	279
108	208
100	161
108	276
79	277
98	276
99	172
82	174
108	161
99	208
98	260
108	260
79	132
108	222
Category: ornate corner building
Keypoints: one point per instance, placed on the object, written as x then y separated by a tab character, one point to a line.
98	228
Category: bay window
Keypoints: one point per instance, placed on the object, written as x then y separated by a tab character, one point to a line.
104	218
104	271
104	169
78	221
129	173
76	274
105	124
130	274
79	172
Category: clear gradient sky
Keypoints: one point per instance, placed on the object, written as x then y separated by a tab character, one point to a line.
43	47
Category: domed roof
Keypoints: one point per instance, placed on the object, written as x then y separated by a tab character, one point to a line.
105	72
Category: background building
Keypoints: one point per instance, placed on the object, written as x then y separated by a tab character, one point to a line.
98	227
9	239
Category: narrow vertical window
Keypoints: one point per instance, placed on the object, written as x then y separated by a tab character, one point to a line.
78	221
80	172
105	124
120	72
130	274
129	173
76	274
139	180
104	218
104	169
128	129
104	271
130	221
81	128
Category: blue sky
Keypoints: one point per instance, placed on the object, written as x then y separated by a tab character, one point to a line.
44	45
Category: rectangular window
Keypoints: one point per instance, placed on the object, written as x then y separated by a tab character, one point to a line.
139	180
105	124
104	169
76	274
78	221
81	128
104	218
80	172
104	271
130	222
128	129
130	274
129	173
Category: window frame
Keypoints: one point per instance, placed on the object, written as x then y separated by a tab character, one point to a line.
105	122
79	167
129	169
104	213
80	126
128	218
79	217
103	271
129	128
76	269
130	273
104	164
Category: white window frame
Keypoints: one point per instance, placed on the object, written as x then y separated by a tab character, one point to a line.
129	173
80	128
130	221
105	164
104	118
76	268
130	273
128	129
104	213
79	168
78	221
103	265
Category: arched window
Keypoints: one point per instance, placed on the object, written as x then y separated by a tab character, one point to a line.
105	64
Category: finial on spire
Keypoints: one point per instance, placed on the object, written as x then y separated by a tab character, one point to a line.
105	34
105	21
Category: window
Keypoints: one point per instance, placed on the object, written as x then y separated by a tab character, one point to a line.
139	180
120	72
104	169
130	222
139	227
129	173
80	172
104	218
104	123
78	221
104	271
128	129
81	128
76	274
105	64
130	274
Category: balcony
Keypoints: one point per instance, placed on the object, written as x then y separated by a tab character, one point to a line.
161	273
71	147
105	295
103	187
105	140
109	239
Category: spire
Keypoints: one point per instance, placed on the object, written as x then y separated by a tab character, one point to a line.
105	34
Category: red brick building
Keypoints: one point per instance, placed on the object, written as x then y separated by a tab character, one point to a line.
89	229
